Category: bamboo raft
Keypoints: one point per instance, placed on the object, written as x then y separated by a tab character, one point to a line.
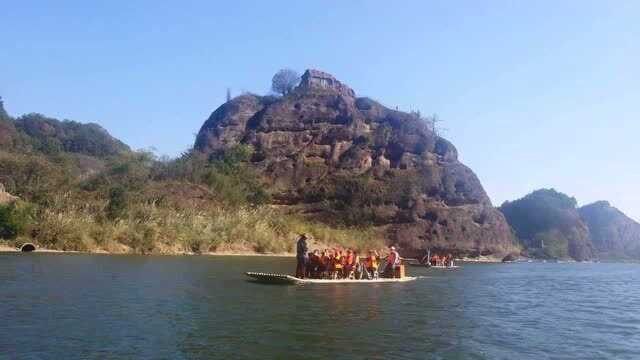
292	280
437	267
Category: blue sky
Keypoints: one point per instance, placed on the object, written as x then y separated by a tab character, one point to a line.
533	94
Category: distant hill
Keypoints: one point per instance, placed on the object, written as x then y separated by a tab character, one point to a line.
51	135
38	133
549	225
614	235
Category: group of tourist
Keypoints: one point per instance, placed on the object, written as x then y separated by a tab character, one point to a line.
441	260
342	264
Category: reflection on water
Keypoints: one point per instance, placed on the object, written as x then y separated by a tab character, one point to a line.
56	306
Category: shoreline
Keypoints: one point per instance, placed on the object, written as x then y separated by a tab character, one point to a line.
9	249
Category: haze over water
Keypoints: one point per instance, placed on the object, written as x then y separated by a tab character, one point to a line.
122	307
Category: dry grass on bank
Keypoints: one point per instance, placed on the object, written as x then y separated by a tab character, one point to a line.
152	229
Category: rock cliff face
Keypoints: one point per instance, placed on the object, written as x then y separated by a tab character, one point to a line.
614	235
340	158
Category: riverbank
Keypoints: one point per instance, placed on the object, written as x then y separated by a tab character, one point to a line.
226	251
7	248
10	249
481	259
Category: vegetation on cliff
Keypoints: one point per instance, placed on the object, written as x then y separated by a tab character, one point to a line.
81	189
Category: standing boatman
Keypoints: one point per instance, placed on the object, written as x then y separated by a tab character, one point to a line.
301	256
393	262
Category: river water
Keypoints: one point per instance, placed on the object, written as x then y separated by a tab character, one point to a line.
59	306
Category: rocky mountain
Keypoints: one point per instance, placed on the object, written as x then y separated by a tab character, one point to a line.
549	225
614	235
326	153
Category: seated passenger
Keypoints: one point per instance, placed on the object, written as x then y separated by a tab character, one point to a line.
359	266
349	265
314	260
323	264
310	264
331	264
371	265
337	265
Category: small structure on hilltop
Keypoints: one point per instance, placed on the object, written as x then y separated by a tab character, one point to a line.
319	80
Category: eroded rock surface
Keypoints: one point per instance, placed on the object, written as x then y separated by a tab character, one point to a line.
321	134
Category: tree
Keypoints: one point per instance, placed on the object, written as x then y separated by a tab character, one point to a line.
14	218
3	112
118	203
431	122
284	81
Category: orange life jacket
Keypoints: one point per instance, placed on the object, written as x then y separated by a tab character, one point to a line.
372	262
323	260
337	262
350	260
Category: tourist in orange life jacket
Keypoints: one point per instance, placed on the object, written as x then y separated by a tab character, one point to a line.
338	260
323	263
314	263
358	266
371	264
330	264
349	264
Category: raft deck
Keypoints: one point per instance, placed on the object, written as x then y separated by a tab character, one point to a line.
439	267
292	280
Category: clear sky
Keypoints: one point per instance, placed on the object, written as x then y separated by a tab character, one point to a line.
533	93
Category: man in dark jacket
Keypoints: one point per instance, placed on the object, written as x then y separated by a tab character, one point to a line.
301	256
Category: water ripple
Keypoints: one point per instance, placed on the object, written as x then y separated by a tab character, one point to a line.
123	307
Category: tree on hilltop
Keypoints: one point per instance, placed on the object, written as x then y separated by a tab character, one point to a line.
284	81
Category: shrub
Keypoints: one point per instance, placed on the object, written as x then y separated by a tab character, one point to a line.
14	219
118	203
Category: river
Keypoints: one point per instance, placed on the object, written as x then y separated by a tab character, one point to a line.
71	306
